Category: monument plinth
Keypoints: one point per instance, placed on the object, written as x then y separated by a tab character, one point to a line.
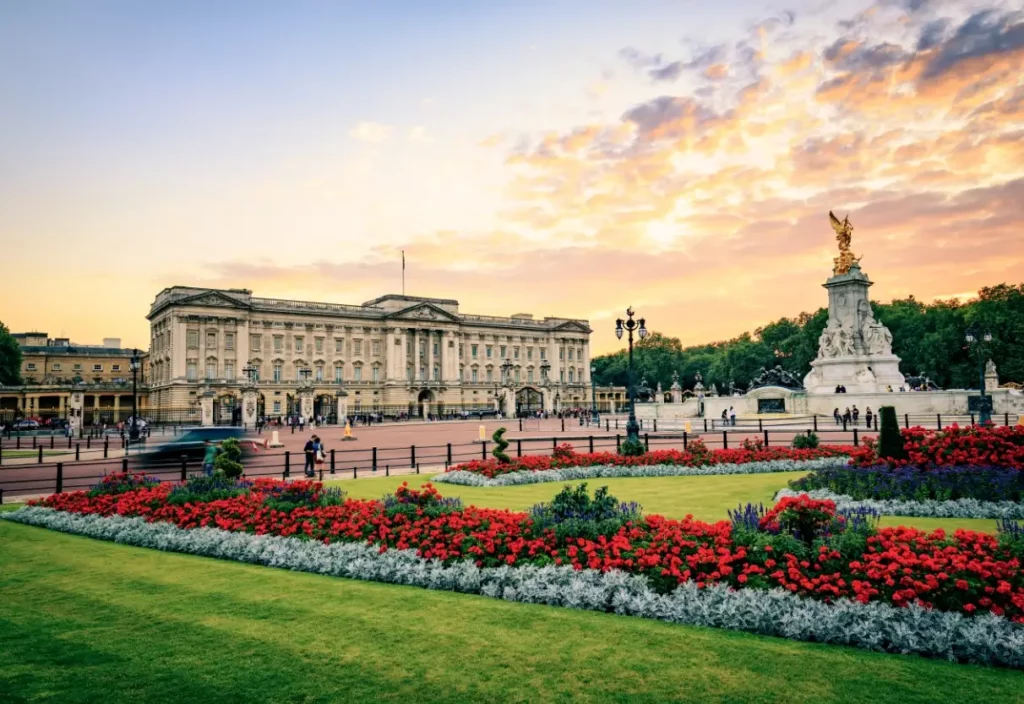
854	350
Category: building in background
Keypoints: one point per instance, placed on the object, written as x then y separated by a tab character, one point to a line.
394	355
53	369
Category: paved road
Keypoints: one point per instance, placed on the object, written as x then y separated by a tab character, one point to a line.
400	448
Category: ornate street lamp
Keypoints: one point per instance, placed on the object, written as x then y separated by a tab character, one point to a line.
133	364
976	339
593	396
251	371
545	369
629	325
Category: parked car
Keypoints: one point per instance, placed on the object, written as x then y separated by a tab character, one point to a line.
191	443
57	423
26	424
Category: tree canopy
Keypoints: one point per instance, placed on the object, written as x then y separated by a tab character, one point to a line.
928	337
10	358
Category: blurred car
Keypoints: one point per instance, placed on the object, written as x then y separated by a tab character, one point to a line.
192	444
26	424
57	423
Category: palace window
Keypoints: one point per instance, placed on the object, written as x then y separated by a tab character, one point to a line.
437	349
115	368
561	376
338	373
31	366
278	343
56	366
529	376
408	373
211	369
256	372
489	349
423	373
515	353
97	367
490	375
339	345
300	343
254	343
437	373
318	343
190	371
229	340
474	376
319	375
570	354
211	340
376	374
229	370
192	339
375	348
357	347
77	367
501	352
529	353
543	354
277	408
517	376
472	351
277	372
358	374
561	353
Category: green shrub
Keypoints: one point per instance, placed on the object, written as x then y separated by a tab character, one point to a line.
229	459
573	513
890	442
806	442
632	448
203	489
500	445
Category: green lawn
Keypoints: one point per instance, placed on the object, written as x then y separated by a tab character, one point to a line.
85	621
707	498
22	454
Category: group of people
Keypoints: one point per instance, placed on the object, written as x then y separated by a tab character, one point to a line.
729	416
852	416
315	454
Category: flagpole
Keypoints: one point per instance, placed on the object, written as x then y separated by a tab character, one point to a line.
403	272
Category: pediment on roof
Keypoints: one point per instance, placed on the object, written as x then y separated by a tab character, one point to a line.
424	311
211	299
573	326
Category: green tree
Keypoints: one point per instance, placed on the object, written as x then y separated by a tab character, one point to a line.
10	358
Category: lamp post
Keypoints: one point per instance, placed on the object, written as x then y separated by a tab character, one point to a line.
593	396
251	371
133	364
629	325
975	337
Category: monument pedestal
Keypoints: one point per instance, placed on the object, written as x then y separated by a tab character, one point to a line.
862	374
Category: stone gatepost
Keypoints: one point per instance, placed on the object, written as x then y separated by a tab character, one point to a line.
991	377
342	396
75	409
206	408
306	402
250	405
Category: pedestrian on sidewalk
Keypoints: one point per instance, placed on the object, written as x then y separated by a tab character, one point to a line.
309	450
209	457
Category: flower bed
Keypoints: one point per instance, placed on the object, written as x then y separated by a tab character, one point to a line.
697	455
929	483
982	445
966	573
927	508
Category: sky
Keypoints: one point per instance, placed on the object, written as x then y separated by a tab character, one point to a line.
557	158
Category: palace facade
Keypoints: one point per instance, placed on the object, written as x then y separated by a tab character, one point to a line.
393	355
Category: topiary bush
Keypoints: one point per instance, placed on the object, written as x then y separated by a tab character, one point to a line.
573	513
632	448
890	442
500	445
808	441
229	460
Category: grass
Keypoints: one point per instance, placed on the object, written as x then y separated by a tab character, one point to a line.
708	498
84	621
22	454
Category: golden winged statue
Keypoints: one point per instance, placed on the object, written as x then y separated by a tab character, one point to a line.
844	235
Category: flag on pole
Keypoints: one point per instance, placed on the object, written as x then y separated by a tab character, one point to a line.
403	260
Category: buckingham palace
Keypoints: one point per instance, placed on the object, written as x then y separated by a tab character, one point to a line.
225	348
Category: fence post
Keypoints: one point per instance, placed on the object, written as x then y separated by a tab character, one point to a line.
1	453
483	450
40	454
412	455
607	425
417	469
1006	419
705	425
69	442
332	460
647	444
618	443
184	467
387	470
519	448
591	444
972	420
51	442
124	465
616	423
17	441
844	424
374	458
450	454
563	424
1	497
906	420
938	421
766	438
655	425
33	442
520	425
321	473
287	462
106	447
60	477
355	472
725	439
88	441
856	437
760	424
815	417
684	440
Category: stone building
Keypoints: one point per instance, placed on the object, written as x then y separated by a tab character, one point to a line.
393	355
54	370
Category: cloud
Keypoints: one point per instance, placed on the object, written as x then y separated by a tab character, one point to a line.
372	132
985	34
418	135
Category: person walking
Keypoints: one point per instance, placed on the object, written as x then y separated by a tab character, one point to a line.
209	456
309	450
839	419
868	417
856	415
847	417
732	416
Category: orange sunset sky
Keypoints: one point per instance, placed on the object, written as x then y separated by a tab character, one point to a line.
562	158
